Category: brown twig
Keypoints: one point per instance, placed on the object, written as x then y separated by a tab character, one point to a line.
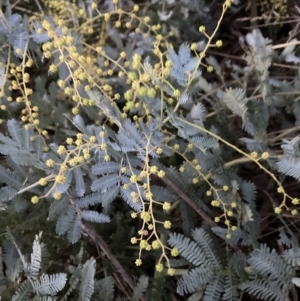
121	285
39	6
198	210
189	201
284	133
253	19
89	229
14	4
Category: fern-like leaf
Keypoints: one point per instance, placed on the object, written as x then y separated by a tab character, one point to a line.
6	194
58	207
65	219
195	279
188	222
15	131
80	185
231	292
87	280
74	231
105	167
236	100
269	264
36	258
214	289
24	292
289	166
50	284
248	190
198	114
105	182
105	288
292	256
205	242
187	248
140	289
10	178
263	290
89	199
93	216
126	195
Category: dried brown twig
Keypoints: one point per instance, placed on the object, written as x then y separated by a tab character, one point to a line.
100	243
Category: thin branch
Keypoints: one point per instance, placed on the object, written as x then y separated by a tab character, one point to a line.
253	19
16	3
89	229
189	201
34	184
39	6
289	131
192	204
286	44
121	286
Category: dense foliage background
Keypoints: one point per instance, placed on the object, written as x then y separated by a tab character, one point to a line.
149	150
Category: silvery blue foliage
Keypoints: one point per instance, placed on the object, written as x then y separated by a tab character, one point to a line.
186	138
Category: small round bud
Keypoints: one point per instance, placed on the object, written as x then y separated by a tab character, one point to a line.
167	224
202	28
219	43
171	272
277	210
35	199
